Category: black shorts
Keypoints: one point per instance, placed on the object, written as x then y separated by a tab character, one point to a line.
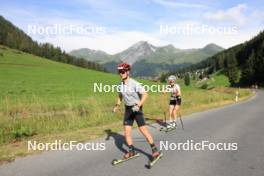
175	102
130	116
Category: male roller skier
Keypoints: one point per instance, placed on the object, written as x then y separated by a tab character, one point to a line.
134	96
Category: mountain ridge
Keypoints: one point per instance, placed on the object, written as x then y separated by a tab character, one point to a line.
151	46
143	54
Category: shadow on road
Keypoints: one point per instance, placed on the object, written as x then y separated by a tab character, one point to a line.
159	121
120	142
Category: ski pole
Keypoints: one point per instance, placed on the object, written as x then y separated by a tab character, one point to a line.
181	121
164	108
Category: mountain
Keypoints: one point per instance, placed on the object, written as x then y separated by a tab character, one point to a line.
15	38
92	55
243	63
212	48
143	55
171	55
136	52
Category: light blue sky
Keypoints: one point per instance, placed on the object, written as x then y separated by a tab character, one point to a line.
127	22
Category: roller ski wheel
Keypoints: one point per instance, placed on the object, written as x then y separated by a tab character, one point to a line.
119	161
155	160
168	128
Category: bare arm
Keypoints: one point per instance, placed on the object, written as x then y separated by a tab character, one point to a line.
119	100
143	98
118	103
179	93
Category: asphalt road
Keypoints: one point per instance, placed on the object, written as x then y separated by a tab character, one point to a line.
241	123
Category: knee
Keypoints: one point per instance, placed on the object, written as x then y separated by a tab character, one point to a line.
142	129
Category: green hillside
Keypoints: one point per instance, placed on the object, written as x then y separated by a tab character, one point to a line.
28	75
36	88
13	37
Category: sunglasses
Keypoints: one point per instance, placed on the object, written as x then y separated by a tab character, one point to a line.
121	71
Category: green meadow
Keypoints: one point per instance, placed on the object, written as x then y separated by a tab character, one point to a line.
46	100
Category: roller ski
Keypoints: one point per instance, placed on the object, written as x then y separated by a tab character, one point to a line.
128	156
169	127
156	156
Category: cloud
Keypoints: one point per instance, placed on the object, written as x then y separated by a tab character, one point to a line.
234	15
111	9
258	16
174	4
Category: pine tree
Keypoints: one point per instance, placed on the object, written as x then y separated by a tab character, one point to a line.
163	77
232	70
187	80
259	66
248	70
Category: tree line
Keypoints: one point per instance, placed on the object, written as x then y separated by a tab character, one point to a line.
15	38
243	64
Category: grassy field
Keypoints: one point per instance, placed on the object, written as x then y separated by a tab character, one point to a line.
44	100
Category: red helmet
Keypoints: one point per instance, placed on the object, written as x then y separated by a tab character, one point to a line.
124	66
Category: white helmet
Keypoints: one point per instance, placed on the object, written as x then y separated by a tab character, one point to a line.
172	78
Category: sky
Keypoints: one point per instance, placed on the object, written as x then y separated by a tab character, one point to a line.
114	25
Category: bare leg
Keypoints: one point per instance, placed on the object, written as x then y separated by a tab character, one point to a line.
171	112
128	137
175	111
147	135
